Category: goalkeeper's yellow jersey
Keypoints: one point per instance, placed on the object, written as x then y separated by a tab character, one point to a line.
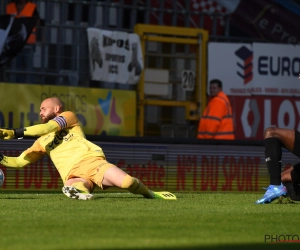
66	147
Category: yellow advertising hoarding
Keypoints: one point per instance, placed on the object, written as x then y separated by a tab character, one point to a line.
100	111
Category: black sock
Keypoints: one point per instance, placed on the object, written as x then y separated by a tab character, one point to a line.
293	190
273	153
295	173
290	190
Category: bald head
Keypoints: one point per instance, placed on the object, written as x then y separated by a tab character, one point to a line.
50	108
56	102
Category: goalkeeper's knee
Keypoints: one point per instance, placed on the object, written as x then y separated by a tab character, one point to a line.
129	183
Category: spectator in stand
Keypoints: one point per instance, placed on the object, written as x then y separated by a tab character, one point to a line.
216	121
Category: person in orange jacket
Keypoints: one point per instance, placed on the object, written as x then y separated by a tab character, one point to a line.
217	121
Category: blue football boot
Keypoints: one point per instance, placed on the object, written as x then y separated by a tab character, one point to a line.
273	192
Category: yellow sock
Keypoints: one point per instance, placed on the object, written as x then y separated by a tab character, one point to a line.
135	186
80	187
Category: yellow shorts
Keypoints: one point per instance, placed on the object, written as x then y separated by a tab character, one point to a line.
91	169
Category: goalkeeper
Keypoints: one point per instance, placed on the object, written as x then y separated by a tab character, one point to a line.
80	163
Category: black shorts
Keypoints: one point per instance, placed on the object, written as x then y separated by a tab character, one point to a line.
296	149
295	173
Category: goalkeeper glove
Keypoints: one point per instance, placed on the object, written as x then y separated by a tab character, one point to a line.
7	134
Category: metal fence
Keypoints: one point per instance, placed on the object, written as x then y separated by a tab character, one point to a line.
60	56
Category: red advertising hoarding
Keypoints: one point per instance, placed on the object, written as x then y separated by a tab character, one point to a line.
253	114
171	167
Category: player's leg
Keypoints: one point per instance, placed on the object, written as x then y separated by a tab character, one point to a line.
78	188
291	180
285	136
115	176
291	177
274	140
78	185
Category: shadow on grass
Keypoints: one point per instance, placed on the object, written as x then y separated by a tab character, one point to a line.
262	246
17	198
119	197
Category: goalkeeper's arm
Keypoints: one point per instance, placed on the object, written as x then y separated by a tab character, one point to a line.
35	130
15	162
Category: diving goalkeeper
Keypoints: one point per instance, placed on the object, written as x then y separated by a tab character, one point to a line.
80	163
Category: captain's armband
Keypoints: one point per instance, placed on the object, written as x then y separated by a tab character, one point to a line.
61	121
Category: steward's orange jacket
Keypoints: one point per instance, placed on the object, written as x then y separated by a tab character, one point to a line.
11	9
216	121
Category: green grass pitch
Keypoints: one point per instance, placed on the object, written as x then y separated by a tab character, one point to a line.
125	221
